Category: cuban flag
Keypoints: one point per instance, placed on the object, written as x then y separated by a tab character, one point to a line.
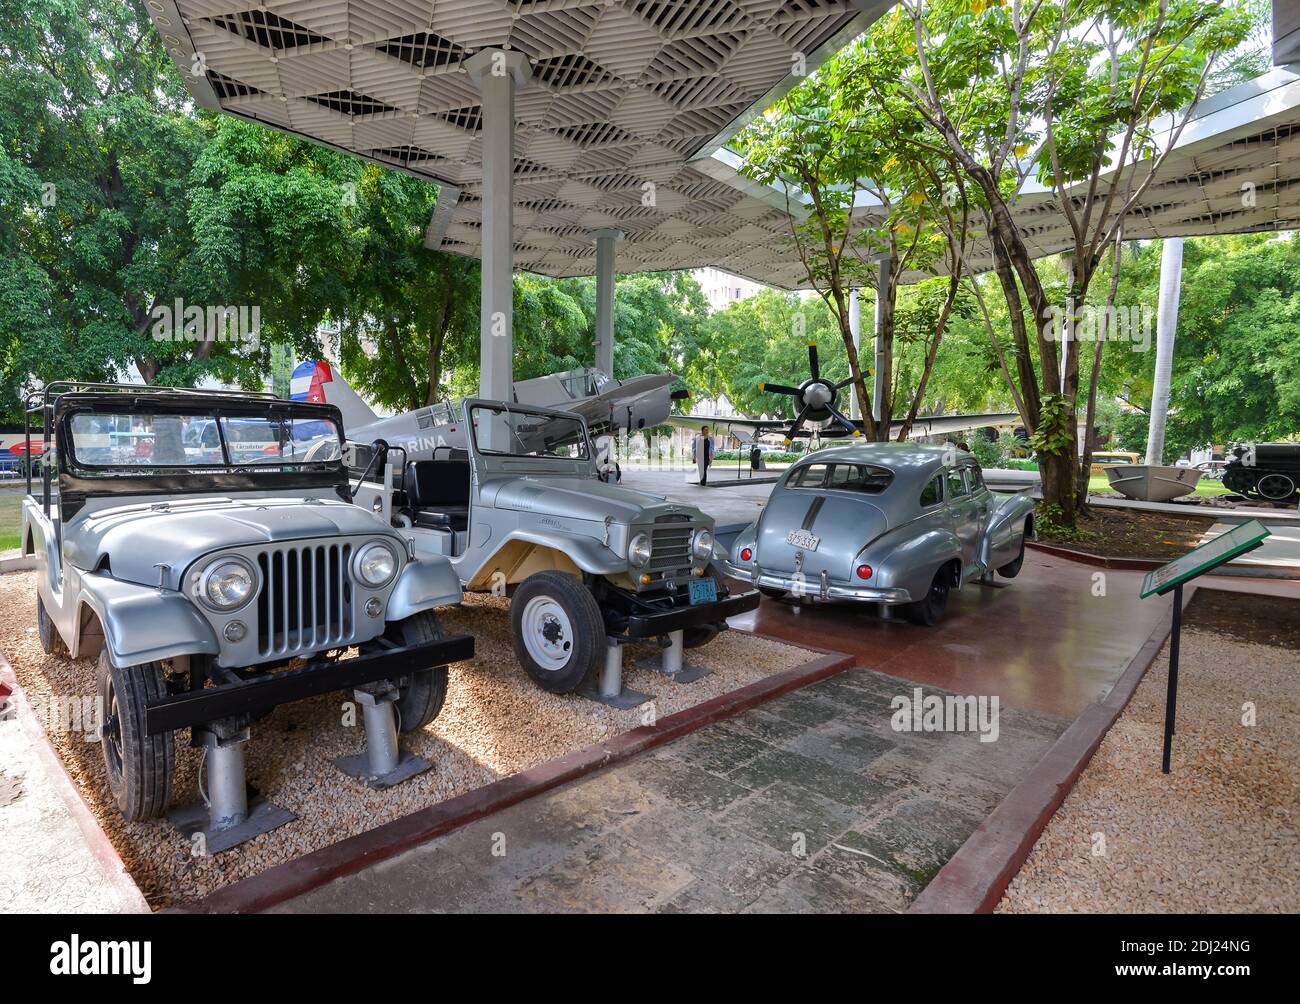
308	381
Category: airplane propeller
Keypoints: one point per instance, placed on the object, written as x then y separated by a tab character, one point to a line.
816	398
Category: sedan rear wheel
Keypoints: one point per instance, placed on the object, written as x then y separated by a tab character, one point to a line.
929	611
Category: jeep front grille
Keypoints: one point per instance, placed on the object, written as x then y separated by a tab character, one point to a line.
670	546
306	600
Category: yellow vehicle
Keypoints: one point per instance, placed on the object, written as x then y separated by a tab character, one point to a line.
1109	458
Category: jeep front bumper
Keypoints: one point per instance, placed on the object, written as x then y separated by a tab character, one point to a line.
264	692
645	623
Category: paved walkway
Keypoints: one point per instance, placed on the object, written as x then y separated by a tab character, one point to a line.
811	803
48	865
1280	550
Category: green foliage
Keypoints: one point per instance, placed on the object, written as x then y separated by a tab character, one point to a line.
1051	523
1056	426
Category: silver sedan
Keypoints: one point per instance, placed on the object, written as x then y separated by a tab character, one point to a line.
896	524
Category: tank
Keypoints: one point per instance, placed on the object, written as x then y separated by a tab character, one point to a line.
1269	472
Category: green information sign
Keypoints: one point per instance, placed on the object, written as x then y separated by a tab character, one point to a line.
1199	560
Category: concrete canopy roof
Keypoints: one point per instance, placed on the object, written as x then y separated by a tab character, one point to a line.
628	94
624	93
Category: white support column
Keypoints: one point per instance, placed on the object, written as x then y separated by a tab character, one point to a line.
1067	328
1171	280
497	73
855	326
883	279
605	253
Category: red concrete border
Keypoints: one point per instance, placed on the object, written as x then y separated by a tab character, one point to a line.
975	878
293	878
128	893
1083	557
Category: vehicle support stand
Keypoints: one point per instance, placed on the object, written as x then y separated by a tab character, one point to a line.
672	663
231	815
609	689
382	764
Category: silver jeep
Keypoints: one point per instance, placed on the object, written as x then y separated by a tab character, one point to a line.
203	546
589	566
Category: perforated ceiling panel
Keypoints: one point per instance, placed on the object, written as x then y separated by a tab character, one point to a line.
626	102
623	94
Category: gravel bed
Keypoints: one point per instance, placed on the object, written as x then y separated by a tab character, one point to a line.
495	723
1221	833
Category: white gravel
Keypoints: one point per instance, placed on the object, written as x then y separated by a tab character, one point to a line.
1221	833
495	723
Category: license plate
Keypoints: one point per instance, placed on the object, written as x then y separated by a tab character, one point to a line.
804	539
704	591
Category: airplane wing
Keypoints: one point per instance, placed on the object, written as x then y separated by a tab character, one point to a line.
746	428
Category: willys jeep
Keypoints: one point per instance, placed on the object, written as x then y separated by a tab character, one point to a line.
589	566
203	546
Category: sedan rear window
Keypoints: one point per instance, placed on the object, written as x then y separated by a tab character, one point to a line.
866	478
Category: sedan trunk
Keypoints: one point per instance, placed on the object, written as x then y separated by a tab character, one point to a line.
843	524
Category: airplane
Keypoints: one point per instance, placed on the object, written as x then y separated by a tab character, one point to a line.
819	418
608	405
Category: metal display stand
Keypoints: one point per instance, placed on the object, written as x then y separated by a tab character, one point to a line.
383	763
233	813
672	663
609	690
1171	577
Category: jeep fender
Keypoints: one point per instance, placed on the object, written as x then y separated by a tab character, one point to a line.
587	554
145	623
422	585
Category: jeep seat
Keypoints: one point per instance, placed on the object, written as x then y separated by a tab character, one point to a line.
438	493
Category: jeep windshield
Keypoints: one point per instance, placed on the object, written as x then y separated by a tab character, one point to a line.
502	431
121	442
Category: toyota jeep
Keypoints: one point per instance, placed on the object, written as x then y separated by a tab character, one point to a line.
588	565
203	547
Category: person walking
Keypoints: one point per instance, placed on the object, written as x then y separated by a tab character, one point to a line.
702	453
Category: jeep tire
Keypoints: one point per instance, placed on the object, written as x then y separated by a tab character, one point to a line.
139	767
51	640
421	697
558	630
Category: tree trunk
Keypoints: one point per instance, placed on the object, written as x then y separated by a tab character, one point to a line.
1058	472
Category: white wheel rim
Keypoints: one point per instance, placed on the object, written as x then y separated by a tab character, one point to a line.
1279	486
547	633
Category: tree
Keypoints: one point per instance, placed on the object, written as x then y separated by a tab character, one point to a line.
117	200
1080	85
828	149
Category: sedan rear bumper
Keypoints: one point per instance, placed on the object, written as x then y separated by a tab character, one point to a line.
818	589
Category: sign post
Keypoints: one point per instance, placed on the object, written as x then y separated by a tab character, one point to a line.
1170	578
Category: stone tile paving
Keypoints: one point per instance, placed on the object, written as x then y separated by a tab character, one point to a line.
810	803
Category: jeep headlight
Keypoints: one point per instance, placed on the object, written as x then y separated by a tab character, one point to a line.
702	546
638	552
375	564
227	584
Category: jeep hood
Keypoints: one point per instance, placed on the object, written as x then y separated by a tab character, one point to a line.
582	498
134	538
